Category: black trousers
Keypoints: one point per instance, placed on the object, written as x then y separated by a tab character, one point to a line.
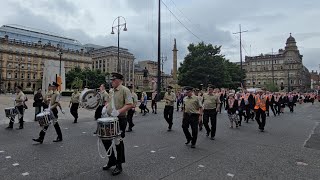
20	111
97	113
290	105
272	109
212	115
190	120
129	118
261	114
113	160
56	127
74	110
241	114
168	115
154	106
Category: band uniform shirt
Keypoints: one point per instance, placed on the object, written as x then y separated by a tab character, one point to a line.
75	97
21	98
104	98
47	97
191	104
122	96
134	98
170	98
55	97
210	101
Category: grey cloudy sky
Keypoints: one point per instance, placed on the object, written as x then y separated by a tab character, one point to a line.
213	21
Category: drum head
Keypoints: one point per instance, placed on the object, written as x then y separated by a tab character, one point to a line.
107	119
43	114
90	99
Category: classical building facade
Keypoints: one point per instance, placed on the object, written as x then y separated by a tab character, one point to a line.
284	68
315	79
23	52
106	59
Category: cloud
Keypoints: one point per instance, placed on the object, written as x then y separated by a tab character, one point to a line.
212	21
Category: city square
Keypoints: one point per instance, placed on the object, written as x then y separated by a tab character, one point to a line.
288	149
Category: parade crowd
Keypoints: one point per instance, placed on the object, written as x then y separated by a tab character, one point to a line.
199	107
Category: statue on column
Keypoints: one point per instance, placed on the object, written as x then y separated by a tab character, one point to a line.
145	78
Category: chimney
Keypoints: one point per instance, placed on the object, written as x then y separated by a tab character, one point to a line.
175	59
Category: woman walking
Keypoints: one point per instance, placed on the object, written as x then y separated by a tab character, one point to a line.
232	110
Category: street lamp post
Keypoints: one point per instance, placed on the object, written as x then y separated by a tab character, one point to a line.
60	56
118	27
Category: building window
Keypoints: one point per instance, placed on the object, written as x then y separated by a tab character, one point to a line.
34	67
22	76
29	66
28	76
300	82
10	57
9	75
22	66
29	59
34	76
291	81
15	75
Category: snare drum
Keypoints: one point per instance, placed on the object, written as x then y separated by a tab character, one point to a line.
44	118
11	112
108	128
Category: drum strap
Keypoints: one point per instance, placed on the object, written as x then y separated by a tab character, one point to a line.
109	151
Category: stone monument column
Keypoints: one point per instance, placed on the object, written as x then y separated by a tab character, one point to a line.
175	59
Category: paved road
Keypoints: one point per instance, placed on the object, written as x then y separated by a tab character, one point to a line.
286	150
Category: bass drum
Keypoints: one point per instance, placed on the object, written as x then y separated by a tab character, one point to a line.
90	99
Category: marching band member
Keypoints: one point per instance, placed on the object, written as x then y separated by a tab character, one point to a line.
154	102
123	102
37	104
103	101
169	97
192	113
132	110
19	104
260	109
74	104
53	104
211	105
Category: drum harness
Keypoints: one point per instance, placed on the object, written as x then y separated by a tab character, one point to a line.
113	144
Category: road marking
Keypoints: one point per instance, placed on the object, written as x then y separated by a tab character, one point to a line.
25	174
201	166
8	157
61	146
65	128
15	164
302	164
84	132
152	151
172	157
231	175
1	151
135	146
312	132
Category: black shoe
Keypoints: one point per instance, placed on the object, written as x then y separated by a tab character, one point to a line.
38	140
9	127
20	127
75	121
193	146
261	130
208	134
57	140
107	167
212	138
116	171
155	112
188	141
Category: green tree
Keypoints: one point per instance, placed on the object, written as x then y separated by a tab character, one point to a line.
77	78
204	64
271	87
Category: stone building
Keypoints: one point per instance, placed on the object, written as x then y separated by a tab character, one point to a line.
315	79
106	59
284	68
24	51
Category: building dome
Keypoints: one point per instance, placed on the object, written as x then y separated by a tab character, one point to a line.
291	39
